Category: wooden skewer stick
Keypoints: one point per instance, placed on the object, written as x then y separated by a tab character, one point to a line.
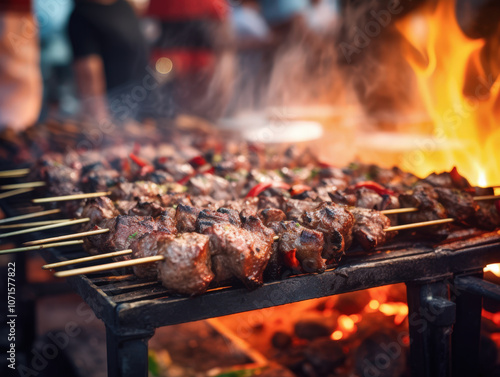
487	197
22	185
14	173
40	247
71	197
45	227
67	237
86	259
108	266
8	194
418	225
30	225
29	216
395	211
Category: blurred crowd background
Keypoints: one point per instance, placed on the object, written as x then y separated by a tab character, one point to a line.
121	59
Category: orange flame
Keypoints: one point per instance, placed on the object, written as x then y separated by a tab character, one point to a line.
459	96
493	268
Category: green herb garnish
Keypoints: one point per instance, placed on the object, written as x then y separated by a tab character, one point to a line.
132	236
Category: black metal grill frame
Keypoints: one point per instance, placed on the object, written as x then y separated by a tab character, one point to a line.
436	279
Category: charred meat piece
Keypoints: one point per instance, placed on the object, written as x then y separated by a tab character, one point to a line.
100	179
487	216
123	230
459	204
204	201
336	224
147	246
186	268
369	228
206	218
238	252
99	209
295	208
425	198
453	179
270	215
185	218
174	199
147	208
131	191
233	215
210	185
240	204
60	179
306	245
271	202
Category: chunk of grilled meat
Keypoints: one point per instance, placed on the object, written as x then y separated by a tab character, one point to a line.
238	252
487	216
426	199
146	208
207	218
307	243
147	246
123	230
336	223
459	204
186	268
294	208
185	218
270	215
369	227
98	209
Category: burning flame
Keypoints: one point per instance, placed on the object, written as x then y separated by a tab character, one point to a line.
459	96
493	268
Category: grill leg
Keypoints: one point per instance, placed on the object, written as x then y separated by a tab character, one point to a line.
127	353
431	316
467	332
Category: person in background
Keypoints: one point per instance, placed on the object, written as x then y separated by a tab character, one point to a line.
321	16
254	40
55	58
109	52
286	17
196	44
20	79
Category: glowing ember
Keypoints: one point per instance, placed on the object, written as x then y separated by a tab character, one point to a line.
337	335
460	94
374	304
346	323
355	318
493	268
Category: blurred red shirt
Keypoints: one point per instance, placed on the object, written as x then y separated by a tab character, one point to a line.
15	5
179	10
183	40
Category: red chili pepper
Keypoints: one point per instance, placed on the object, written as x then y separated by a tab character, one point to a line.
323	164
263	186
379	189
162	160
290	260
299	189
139	161
198	161
126	165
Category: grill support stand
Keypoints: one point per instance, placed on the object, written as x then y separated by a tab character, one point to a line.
127	352
431	317
467	330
